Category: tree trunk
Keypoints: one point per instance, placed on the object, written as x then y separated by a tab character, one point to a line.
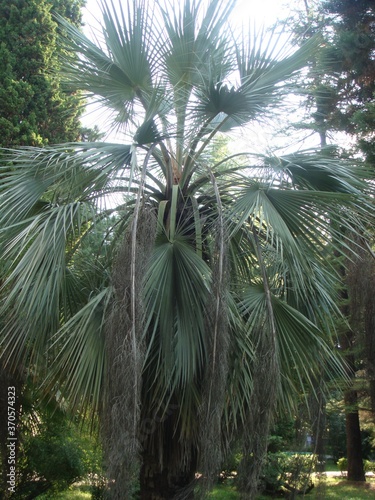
318	426
353	438
353	432
168	462
165	482
266	385
348	340
369	323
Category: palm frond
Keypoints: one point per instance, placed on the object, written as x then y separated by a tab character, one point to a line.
115	72
36	273
320	171
237	286
34	178
79	355
302	346
194	40
177	282
263	79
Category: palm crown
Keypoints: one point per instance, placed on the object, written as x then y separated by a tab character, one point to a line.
212	276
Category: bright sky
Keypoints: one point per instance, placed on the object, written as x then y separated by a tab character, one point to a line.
267	10
246	12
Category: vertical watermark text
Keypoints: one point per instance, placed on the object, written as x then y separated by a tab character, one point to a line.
11	440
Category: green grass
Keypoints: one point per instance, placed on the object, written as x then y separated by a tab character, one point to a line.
332	488
336	488
73	493
224	492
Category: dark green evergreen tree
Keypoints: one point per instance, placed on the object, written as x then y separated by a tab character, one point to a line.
340	89
34	110
354	45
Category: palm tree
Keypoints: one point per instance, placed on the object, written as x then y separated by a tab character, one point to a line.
187	312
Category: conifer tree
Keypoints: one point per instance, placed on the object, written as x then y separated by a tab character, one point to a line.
34	110
341	98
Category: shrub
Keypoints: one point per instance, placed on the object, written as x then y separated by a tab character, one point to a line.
56	459
55	453
367	464
342	464
288	472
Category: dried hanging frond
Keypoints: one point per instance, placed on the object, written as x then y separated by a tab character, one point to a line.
215	379
266	381
125	355
260	414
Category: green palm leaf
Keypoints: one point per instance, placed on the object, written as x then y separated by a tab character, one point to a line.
78	349
301	348
177	282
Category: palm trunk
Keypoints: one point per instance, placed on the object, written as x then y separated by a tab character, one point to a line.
164	483
263	399
168	455
164	474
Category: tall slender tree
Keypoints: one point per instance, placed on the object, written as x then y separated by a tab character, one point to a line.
341	89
